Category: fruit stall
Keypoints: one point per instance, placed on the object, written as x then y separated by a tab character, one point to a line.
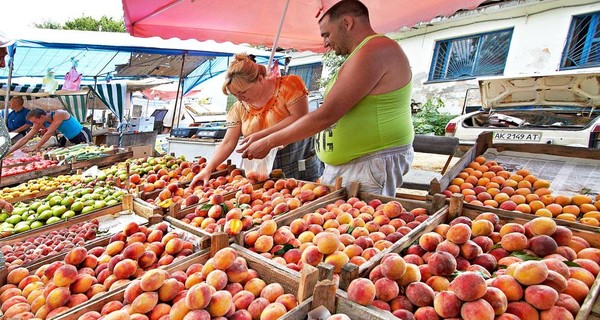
134	240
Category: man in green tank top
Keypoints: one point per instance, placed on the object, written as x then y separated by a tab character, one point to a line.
363	129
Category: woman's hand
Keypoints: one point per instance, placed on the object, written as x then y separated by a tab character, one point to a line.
252	138
200	179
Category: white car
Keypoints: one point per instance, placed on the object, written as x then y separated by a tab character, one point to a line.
562	109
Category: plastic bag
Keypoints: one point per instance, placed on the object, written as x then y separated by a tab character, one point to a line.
259	169
72	80
50	84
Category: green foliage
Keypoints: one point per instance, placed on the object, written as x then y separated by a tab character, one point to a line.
86	23
429	119
332	62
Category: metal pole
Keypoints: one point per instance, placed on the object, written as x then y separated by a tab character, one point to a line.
276	40
11	55
177	94
94	103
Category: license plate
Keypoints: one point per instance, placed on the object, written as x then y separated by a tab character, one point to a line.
518	136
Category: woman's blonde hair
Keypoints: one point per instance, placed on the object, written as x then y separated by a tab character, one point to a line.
241	73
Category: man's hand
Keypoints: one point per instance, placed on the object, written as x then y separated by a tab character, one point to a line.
255	150
252	138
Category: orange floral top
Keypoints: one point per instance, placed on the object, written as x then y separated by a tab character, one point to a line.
288	90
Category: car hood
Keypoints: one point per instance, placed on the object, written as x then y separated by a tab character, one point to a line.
549	90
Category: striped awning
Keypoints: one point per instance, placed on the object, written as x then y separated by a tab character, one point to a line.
76	105
113	96
34	91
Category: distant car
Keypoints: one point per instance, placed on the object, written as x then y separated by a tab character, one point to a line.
558	109
314	102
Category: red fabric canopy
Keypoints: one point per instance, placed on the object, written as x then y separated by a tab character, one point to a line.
256	22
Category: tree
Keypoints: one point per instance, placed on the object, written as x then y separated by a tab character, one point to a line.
86	23
332	62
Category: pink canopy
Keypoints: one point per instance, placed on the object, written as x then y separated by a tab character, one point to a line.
256	22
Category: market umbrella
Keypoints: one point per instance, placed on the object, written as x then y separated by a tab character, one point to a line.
257	22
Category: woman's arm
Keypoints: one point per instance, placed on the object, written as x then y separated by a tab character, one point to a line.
296	109
26	138
222	152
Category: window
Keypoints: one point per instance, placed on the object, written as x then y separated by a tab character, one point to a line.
310	74
583	44
466	57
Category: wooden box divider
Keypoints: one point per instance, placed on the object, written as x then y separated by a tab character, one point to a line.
31	196
50	171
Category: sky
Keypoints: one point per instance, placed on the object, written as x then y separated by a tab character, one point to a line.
24	13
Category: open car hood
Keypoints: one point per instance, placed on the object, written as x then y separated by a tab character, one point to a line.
581	90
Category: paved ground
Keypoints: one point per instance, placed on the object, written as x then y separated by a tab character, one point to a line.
429	162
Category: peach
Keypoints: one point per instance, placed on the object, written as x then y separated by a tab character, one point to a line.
523	310
82	283
556	281
337	259
420	294
393	267
178	310
386	289
514	242
220	303
438	284
16	275
556	313
481	227
255	286
169	290
311	255
125	269
542	245
57	298
132	291
198	296
288	300
576	289
541	297
362	291
531	272
257	306
153	279
469	250
477	310
224	258
160	310
273	311
542	225
447	304
242	299
326	242
65	275
133	251
468	286
442	264
144	303
263	244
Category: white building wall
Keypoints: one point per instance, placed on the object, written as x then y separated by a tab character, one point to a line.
539	36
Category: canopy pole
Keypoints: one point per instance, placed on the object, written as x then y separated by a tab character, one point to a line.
277	34
177	95
11	55
94	104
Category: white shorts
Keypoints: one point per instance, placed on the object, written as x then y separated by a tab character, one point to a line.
378	172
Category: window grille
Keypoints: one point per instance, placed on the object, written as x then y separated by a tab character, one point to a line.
467	57
310	74
582	49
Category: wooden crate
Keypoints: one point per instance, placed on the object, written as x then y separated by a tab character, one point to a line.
19	178
436	209
183	184
484	142
126	204
302	286
335	301
176	214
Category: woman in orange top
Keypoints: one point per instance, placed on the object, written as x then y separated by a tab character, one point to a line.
264	105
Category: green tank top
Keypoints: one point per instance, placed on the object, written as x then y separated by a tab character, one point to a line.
377	122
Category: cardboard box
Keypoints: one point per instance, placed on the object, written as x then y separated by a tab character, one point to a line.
142	151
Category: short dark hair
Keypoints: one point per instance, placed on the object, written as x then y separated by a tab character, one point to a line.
37	112
353	8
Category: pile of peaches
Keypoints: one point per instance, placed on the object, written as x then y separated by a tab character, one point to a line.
486	183
341	232
482	269
56	287
251	207
222	288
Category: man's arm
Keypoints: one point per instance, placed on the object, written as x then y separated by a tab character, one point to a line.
56	121
24	140
22	128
